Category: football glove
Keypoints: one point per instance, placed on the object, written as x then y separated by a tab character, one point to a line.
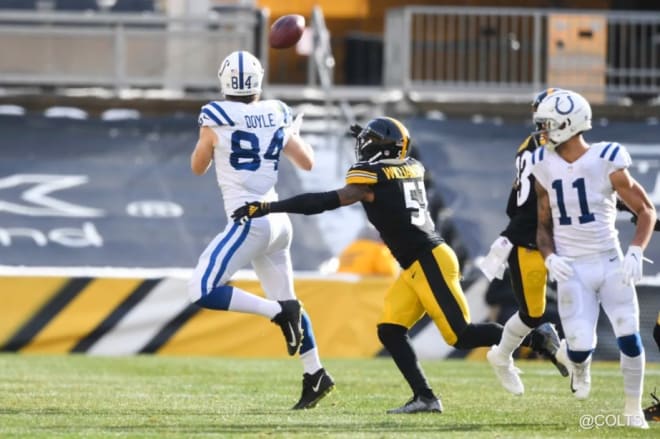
559	268
632	265
251	210
494	264
355	129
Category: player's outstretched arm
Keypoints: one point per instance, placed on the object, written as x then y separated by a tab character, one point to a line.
310	203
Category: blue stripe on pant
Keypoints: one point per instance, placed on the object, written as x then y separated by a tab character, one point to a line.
220	295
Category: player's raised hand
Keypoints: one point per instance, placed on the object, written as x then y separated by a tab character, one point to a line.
251	210
355	129
559	268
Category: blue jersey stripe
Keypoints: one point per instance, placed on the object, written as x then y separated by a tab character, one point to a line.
231	252
210	114
240	70
614	153
223	113
534	158
604	151
541	154
214	256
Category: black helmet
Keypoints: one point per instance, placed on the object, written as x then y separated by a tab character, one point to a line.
382	138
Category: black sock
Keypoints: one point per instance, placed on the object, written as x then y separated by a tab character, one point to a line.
479	334
396	341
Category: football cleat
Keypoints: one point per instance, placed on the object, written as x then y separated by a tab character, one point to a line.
545	341
418	404
506	372
652	412
581	379
289	321
314	388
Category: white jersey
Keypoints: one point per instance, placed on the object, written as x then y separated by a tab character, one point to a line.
250	139
582	198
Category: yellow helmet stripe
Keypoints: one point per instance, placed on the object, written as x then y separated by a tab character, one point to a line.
404	134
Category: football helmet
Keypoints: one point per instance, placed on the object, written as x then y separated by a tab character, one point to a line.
562	115
382	138
240	74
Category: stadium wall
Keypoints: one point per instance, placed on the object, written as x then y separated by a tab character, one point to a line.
135	315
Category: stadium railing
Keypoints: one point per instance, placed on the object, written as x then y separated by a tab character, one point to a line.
508	53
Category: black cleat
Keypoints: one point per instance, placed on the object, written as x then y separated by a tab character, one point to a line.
314	388
419	404
545	341
289	321
652	413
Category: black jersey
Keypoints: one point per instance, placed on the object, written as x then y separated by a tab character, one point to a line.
521	207
400	208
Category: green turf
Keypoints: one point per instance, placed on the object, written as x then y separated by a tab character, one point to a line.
149	396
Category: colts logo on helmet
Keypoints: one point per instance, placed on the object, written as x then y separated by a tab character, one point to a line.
564	113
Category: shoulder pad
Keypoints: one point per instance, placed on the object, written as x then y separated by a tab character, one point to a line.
538	155
213	114
615	153
362	173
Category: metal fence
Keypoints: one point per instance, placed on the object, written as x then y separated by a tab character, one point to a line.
486	50
120	50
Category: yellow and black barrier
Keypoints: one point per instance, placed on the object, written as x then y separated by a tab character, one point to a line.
124	316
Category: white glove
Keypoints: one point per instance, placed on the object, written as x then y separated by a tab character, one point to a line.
494	264
632	265
297	123
559	268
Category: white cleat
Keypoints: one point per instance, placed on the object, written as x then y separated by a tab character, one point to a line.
506	372
581	379
636	420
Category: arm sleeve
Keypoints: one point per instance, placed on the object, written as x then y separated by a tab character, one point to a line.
307	204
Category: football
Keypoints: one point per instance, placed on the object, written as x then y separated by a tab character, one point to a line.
286	31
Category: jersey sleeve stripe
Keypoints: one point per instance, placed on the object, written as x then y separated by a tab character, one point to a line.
541	151
360	179
219	109
210	114
363	173
604	151
285	112
614	153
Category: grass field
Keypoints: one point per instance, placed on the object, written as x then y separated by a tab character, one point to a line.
150	396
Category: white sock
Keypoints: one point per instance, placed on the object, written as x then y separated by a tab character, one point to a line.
311	361
512	335
242	301
633	381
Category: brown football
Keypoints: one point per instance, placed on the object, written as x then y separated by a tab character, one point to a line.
286	31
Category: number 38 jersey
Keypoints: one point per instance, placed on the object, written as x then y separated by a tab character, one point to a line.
581	197
400	209
250	139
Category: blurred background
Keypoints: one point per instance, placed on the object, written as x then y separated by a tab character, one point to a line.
100	216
